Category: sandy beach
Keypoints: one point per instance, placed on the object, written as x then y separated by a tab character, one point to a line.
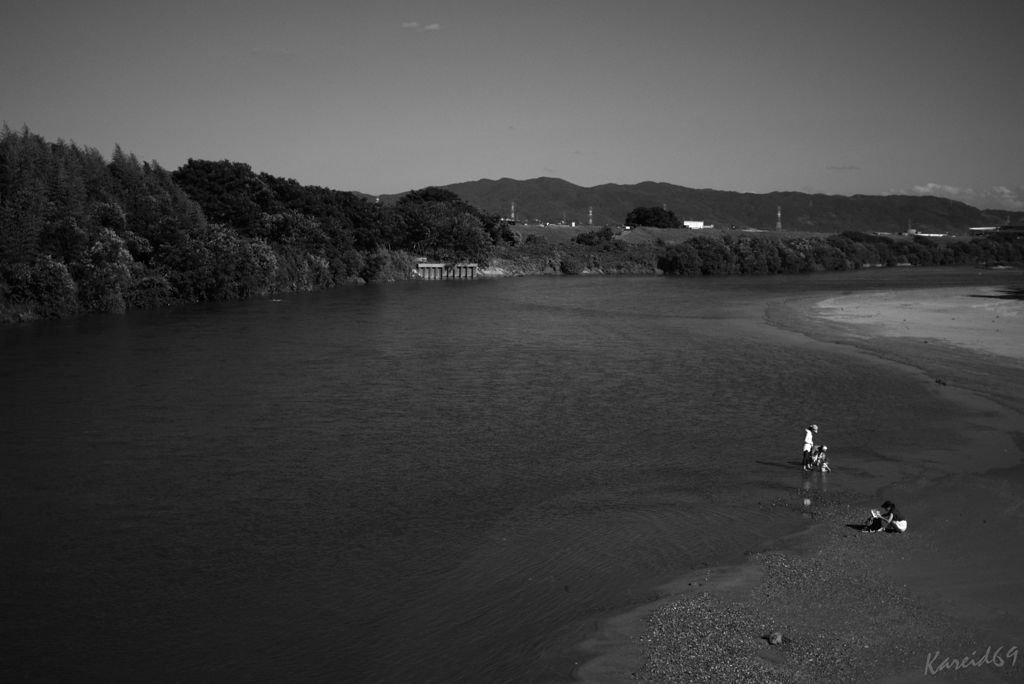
942	603
983	320
969	338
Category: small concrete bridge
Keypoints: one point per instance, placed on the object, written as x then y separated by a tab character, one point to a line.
429	271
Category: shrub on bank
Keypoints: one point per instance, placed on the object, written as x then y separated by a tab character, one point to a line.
387	266
44	289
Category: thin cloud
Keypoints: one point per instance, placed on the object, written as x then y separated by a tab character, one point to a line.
415	26
996	197
846	167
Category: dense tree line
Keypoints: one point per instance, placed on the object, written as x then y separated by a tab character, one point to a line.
703	255
79	233
339	226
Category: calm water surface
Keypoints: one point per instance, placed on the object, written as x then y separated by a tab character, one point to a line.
415	482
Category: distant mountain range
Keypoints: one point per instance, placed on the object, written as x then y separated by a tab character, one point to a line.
552	200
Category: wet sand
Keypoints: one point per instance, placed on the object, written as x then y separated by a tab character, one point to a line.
965	337
942	603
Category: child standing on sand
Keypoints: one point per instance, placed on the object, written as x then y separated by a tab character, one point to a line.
888	519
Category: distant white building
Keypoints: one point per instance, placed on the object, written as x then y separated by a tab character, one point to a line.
696	225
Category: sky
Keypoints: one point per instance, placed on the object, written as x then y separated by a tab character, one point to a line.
831	96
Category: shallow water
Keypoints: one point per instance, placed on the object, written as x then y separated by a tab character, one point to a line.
414	482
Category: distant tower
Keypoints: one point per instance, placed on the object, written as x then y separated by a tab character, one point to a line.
590	217
513	212
778	221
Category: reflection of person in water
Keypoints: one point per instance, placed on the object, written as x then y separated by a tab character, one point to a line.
888	519
809	433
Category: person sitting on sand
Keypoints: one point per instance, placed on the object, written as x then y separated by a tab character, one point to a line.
819	460
888	519
809	433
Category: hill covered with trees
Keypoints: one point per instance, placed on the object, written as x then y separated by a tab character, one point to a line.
552	199
80	233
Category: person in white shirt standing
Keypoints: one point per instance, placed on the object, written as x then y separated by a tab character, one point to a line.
809	433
